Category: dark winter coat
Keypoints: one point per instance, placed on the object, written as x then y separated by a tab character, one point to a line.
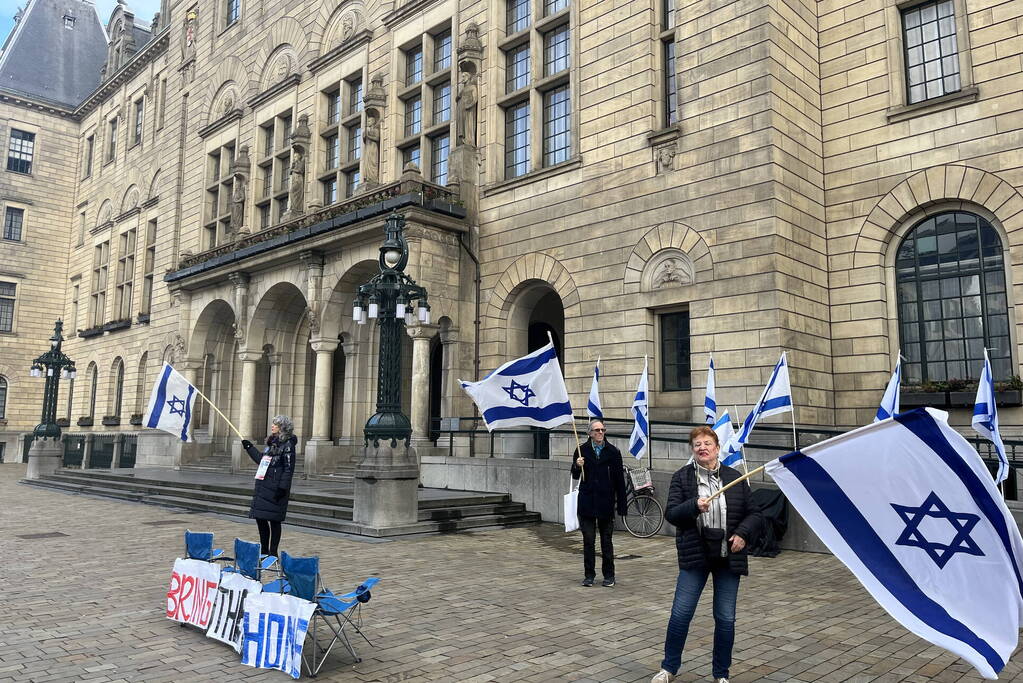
270	499
603	488
741	519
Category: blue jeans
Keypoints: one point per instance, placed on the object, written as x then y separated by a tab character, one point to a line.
687	594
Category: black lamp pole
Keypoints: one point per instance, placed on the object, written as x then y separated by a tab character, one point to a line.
53	365
389	298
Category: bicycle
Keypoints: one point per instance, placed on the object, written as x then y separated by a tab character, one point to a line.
645	514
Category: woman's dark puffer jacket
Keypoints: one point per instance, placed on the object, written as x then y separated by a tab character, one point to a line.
270	500
741	518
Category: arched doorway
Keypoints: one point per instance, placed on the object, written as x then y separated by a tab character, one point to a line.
537	315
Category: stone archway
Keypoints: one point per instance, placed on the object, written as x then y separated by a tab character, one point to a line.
212	363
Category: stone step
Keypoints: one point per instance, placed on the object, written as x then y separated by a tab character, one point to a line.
463	511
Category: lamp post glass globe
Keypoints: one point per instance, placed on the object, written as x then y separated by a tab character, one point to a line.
392	257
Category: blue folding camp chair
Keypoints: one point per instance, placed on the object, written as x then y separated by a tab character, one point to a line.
337	612
199	546
250	564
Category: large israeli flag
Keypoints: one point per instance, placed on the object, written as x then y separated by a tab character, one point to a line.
710	406
985	418
593	402
639	440
890	401
775	398
526	392
171	404
910	508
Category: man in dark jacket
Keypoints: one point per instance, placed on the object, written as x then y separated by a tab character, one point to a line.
601	491
273	482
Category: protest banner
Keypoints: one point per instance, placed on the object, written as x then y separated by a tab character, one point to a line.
228	608
193	586
273	631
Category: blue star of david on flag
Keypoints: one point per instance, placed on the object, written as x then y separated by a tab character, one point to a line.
176	406
941	553
167	410
527	393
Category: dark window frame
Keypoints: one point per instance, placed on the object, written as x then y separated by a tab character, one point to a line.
12	232
21	147
677	375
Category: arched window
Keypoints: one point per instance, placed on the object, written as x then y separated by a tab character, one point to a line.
952	300
3	397
140	385
118	387
93	374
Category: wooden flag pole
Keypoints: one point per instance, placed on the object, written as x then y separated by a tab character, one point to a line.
737	481
229	423
575	432
742	449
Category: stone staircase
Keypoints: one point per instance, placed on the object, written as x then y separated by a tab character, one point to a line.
320	504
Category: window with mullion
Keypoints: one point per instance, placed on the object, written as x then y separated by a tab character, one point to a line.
411	155
355	96
675	366
952	299
233	11
516	140
332	147
3	394
329	191
932	56
440	149
517	15
556	126
517	70
441	103
14	219
670	84
351	183
553	6
414	65
7	292
20	151
139	119
333	106
354	142
413	116
555	50
442	51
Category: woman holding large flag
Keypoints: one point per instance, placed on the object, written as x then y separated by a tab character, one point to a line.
711	535
273	482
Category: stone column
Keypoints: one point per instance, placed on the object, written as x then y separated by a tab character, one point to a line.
448	386
87	450
420	403
246	413
188	453
115	462
317	449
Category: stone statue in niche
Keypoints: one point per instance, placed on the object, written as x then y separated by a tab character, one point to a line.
371	148
296	185
239	188
466	99
188	35
672	271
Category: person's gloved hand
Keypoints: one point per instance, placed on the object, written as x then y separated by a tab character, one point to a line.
246	444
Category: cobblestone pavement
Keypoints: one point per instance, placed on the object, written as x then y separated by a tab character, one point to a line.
501	605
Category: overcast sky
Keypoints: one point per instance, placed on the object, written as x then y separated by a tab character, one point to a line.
143	9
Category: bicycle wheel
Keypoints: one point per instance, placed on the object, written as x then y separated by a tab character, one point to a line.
645	516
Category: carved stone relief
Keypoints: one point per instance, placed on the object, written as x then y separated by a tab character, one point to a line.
666	269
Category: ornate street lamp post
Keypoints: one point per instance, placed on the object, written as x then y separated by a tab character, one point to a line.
46	452
389	298
386	480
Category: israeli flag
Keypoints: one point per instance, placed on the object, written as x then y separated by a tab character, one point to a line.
710	406
593	403
910	508
526	392
171	404
985	418
890	401
776	398
731	454
639	440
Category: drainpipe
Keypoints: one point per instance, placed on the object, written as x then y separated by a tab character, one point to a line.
476	345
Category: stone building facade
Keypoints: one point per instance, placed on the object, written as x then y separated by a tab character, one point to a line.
646	178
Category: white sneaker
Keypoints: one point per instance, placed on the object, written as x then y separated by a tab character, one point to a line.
663	677
720	680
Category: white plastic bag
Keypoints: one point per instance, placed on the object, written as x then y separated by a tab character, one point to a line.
571	504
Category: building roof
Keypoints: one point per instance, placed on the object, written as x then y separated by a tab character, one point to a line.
45	59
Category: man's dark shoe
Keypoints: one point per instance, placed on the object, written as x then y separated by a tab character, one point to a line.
608	583
588	581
